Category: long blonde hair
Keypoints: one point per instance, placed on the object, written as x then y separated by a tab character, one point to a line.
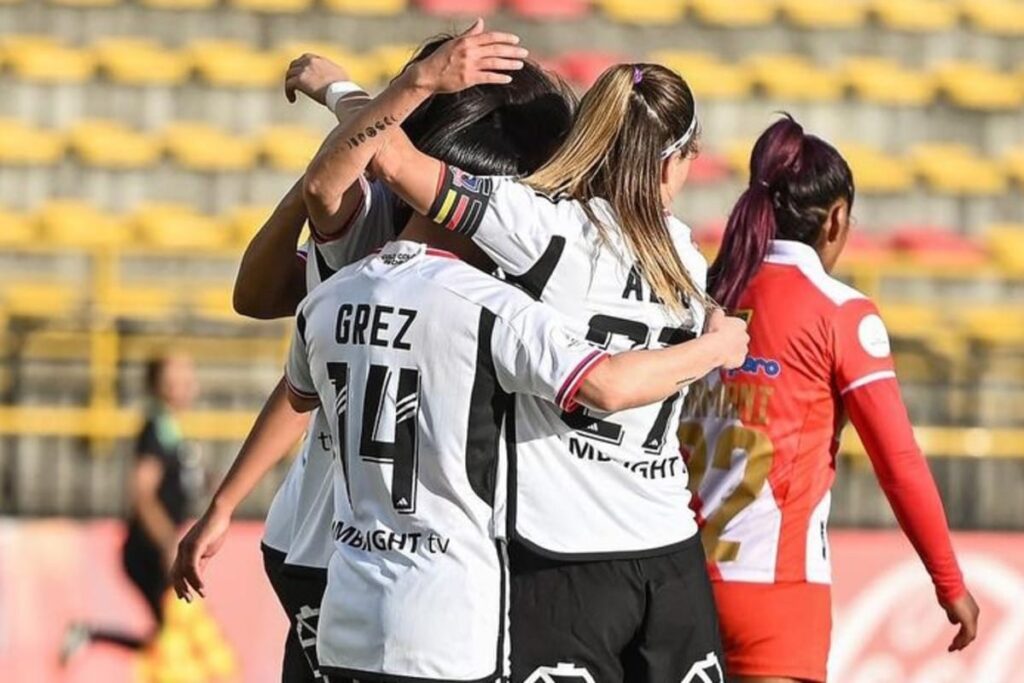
614	151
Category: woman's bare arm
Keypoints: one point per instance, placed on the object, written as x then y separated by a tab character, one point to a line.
275	431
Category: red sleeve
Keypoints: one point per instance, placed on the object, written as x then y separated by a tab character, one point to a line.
877	412
860	346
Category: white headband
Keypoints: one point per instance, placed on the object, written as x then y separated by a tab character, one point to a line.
681	142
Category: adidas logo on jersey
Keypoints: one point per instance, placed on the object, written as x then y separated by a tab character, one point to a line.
707	670
563	673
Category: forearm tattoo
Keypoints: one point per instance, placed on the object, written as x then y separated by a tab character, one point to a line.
370	132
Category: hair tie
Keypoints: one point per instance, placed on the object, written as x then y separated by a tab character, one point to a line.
638	75
765	184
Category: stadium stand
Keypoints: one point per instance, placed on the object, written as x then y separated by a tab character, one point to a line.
134	168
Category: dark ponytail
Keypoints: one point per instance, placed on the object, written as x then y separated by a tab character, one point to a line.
795	178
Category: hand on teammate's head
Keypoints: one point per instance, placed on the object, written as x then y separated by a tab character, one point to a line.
731	333
472	58
963	611
310	75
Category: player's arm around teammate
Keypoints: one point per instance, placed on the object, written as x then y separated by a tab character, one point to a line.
271	281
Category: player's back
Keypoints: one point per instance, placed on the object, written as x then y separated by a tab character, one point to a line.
413	354
761	439
612	485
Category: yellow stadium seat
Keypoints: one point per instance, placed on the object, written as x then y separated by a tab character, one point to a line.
214	303
108	144
80	225
924	16
244	221
289	148
18	42
911	321
883	81
974	86
135	301
384	8
996	325
15	230
956	169
649	12
200	147
1006	245
706	75
735	13
737	156
791	77
363	69
824	14
179	4
21	144
1013	163
178	227
393	58
86	3
48	61
234	64
273	6
140	61
40	299
1001	17
875	171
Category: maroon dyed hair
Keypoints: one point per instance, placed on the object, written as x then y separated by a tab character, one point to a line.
795	179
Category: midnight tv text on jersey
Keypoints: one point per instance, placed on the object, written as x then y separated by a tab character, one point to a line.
661	468
382	540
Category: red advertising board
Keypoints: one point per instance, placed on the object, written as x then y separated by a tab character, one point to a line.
888	628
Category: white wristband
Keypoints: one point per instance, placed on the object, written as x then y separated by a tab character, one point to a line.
335	91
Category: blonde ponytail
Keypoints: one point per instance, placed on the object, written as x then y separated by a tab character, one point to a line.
614	151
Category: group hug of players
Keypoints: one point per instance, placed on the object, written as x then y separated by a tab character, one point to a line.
537	449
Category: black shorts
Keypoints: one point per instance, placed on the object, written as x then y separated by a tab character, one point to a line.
299	590
649	620
144	564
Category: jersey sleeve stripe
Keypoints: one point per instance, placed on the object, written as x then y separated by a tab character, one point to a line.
460	211
868	379
566	396
302	255
299	392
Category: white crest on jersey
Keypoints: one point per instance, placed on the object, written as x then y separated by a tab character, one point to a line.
563	673
873	336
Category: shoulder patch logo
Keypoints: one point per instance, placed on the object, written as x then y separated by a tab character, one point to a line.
873	337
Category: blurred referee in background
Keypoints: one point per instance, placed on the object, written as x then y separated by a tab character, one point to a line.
162	485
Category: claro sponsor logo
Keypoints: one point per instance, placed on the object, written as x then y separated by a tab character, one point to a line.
767	367
893	630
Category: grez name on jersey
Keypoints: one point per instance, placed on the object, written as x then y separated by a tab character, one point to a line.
373	325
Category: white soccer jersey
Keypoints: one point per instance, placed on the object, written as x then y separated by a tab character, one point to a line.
412	354
299	519
615	485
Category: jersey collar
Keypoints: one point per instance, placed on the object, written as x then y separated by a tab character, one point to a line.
791	253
